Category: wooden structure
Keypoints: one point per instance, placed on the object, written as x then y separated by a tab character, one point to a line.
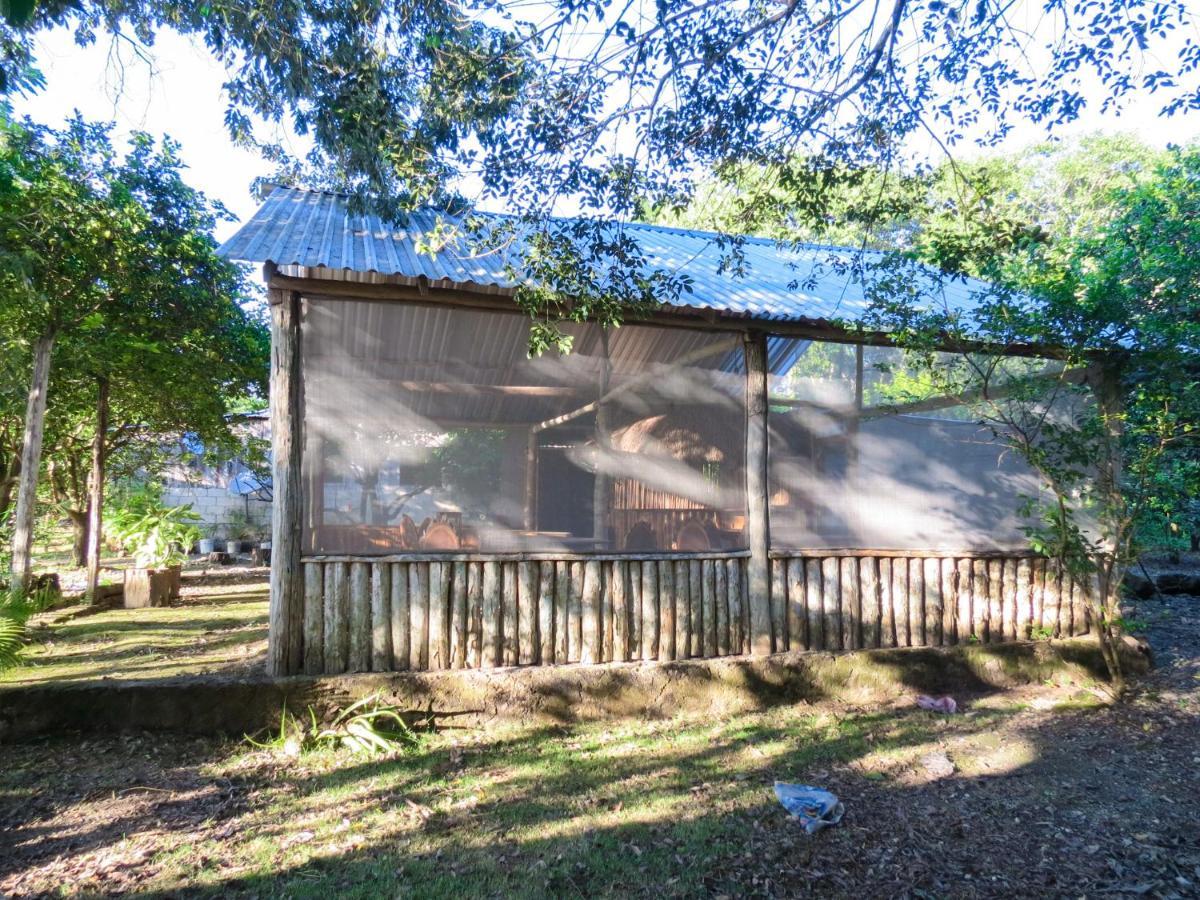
428	597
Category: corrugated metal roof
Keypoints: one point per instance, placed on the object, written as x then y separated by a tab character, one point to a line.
314	230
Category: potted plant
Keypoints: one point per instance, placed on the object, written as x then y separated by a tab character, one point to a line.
208	541
157	535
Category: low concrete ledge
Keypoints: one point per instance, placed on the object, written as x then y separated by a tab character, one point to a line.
555	694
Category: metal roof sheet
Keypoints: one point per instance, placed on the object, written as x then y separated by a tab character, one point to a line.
314	229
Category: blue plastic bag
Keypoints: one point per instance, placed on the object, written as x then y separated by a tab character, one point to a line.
814	807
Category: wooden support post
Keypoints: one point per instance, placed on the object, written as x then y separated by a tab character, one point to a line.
527	612
590	647
381	618
314	619
851	610
868	574
710	608
814	604
545	607
575	613
493	652
916	603
949	602
722	600
401	633
418	607
683	609
737	631
650	618
758	565
831	589
562	602
900	602
666	611
887	633
459	628
360	618
285	642
508	614
475	614
619	592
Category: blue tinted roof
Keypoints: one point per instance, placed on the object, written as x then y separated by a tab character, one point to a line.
314	229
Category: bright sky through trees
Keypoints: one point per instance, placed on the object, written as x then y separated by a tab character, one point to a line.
175	87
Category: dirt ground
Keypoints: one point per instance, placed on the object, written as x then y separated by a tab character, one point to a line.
1046	791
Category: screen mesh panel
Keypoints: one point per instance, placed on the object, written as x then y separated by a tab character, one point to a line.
430	428
865	453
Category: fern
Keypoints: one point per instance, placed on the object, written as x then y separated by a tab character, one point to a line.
12	639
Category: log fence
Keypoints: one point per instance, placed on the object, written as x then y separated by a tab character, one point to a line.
412	612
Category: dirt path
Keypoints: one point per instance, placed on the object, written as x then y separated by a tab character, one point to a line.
1042	792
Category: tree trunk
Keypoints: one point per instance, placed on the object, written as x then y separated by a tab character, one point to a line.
79	535
31	462
96	490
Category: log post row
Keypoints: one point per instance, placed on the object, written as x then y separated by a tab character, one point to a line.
474	611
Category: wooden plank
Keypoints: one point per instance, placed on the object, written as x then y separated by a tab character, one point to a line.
1037	590
1024	602
562	604
459	623
474	614
493	645
590	648
527	613
418	609
964	615
381	618
400	621
337	618
868	579
916	602
721	586
545	606
439	615
696	608
794	619
1011	600
780	637
757	574
708	578
733	584
851	612
949	601
666	611
606	611
650	617
933	602
981	592
635	609
509	597
900	601
814	605
683	609
887	605
575	612
831	613
360	618
314	618
619	592
995	626
285	643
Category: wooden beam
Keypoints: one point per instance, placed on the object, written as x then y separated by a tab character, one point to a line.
758	565
285	645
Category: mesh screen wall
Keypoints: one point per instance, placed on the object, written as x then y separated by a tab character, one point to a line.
863	455
428	428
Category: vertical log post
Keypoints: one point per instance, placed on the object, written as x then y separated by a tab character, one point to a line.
96	490
285	643
758	565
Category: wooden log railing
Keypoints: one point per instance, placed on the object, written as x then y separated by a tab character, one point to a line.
425	612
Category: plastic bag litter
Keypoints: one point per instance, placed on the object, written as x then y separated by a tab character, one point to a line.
815	807
937	704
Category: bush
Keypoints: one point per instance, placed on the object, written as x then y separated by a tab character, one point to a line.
158	535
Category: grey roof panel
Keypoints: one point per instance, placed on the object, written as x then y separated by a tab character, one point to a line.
295	227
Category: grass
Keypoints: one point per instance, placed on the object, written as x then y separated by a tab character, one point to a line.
224	629
526	812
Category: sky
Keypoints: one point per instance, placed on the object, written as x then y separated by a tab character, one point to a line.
179	93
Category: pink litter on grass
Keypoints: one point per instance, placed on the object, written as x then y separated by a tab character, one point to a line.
937	704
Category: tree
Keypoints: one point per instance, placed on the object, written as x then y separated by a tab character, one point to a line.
1119	310
153	338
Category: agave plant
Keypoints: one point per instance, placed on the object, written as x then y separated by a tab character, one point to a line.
368	726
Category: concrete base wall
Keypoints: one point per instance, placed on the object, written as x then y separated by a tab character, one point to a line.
556	694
